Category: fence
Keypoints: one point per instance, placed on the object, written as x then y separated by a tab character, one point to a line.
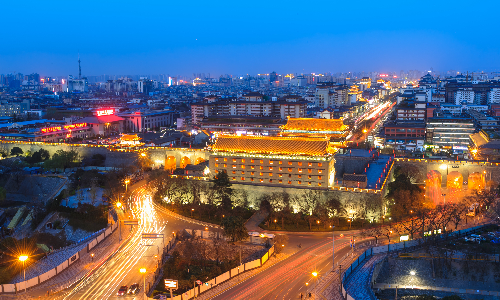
226	276
398	246
13	288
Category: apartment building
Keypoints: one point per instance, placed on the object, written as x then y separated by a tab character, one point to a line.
250	105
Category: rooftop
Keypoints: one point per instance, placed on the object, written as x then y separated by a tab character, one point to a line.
273	145
311	124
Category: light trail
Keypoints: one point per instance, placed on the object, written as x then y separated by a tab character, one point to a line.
103	283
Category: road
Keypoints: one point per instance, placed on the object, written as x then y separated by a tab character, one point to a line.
287	279
123	267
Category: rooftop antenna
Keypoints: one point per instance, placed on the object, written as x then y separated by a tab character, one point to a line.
79	68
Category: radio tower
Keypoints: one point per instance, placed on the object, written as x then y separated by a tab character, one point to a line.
79	68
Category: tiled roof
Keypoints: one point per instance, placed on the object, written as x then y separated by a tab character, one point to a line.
354	177
311	124
272	145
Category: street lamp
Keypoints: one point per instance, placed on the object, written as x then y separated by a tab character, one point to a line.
143	154
143	272
127	181
118	204
192	209
92	256
22	259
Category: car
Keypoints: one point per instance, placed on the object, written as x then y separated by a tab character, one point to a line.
122	291
133	289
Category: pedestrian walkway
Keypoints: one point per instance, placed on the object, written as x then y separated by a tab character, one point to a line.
358	283
253	223
51	261
74	272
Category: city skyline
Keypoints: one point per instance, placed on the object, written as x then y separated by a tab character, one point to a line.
227	38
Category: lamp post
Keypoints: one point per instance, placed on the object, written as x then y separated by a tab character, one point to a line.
192	209
127	181
22	259
143	272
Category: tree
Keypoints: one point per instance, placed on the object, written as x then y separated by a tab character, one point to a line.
16	151
222	188
333	207
93	191
234	228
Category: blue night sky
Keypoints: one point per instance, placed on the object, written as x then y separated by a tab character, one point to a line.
240	37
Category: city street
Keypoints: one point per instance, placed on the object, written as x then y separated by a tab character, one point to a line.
288	278
123	267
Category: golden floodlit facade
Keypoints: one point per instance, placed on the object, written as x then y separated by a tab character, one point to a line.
274	161
333	129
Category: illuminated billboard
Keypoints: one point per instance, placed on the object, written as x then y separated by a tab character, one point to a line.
105	112
65	127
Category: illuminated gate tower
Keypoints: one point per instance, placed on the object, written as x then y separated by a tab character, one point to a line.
332	129
274	161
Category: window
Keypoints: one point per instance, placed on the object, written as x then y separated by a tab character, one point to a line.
261	161
299	182
270	168
290	169
262	180
243	160
319	183
309	183
261	174
242	172
252	173
320	177
289	182
216	159
261	167
309	177
234	172
280	181
299	163
309	170
310	164
225	158
280	162
225	165
300	176
234	159
252	167
300	170
216	171
281	169
242	166
320	171
271	162
216	165
234	178
234	166
320	164
289	163
251	179
280	175
251	160
270	180
270	174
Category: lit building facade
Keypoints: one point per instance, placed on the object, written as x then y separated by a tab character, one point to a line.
274	161
333	129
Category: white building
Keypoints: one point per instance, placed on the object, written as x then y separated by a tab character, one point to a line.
465	95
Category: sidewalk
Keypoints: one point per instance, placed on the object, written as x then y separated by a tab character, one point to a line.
253	223
74	272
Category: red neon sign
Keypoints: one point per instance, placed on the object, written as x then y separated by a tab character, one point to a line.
105	112
66	127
